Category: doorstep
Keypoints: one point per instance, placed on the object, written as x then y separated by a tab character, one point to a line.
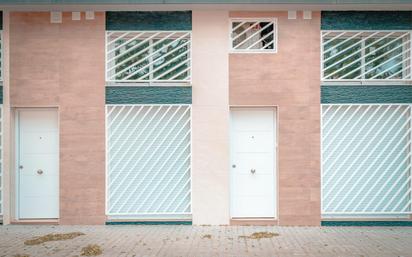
253	222
148	222
35	222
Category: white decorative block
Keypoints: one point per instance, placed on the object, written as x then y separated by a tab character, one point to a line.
307	15
76	16
56	17
89	15
292	15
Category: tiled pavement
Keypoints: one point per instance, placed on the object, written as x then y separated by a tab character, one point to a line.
162	240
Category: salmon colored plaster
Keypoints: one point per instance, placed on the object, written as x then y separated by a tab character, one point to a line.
62	65
289	79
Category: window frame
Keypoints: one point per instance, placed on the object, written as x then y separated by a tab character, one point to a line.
254	51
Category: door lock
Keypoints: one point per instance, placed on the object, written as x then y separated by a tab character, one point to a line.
253	171
39	172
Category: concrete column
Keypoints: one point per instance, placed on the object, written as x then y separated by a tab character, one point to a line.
210	131
6	120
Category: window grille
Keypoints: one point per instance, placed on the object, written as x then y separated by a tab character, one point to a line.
366	159
148	56
366	55
1	56
148	160
253	35
1	126
1	160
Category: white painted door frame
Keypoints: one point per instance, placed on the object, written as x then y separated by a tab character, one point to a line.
275	186
17	159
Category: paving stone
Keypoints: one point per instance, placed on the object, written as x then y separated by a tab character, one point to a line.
174	240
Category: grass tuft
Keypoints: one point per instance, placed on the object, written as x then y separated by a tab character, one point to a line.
260	235
91	250
207	236
52	237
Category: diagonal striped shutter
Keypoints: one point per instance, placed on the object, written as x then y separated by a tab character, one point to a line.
148	159
1	159
366	159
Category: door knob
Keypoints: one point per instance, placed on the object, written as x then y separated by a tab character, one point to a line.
39	172
234	166
253	171
21	167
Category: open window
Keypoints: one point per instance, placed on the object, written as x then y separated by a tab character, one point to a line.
253	35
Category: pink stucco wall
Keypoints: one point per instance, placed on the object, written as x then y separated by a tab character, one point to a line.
290	80
62	65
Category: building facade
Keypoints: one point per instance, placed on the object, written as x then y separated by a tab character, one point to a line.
206	114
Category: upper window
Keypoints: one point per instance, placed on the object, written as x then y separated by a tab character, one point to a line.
148	56
253	35
366	56
1	56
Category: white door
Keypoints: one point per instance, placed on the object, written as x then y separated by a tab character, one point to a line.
253	137
37	163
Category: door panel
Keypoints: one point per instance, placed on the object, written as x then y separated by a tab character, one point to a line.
38	163
254	184
256	119
252	207
262	162
252	163
253	141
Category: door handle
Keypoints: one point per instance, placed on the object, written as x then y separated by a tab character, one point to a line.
39	172
253	171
